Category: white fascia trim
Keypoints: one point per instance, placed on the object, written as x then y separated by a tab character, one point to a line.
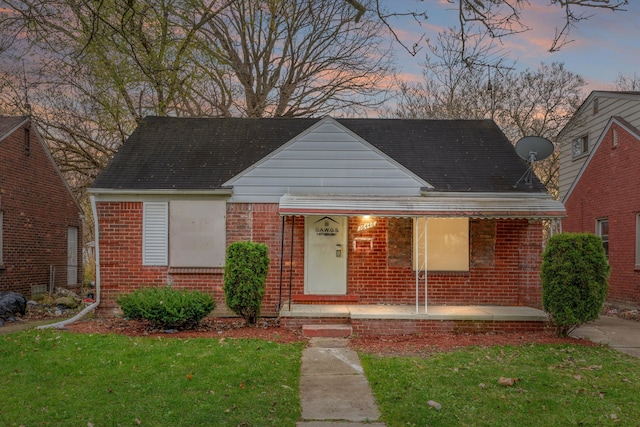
111	195
486	195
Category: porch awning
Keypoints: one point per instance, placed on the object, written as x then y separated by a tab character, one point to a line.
477	205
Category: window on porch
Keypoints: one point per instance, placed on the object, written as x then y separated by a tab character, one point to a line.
447	244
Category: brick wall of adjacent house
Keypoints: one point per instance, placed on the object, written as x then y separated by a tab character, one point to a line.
610	188
505	260
37	210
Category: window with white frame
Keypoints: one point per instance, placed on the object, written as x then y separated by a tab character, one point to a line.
447	244
602	230
184	233
580	146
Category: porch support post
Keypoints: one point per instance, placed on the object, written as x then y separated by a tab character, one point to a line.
293	220
281	262
415	257
426	220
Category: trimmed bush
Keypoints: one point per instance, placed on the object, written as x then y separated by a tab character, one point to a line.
167	308
574	279
245	274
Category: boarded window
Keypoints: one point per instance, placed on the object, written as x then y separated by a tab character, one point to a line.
197	234
447	244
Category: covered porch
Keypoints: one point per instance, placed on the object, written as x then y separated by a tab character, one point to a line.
395	283
378	319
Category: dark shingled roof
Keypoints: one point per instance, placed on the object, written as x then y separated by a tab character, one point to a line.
203	153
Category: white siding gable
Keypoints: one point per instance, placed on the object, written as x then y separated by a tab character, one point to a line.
327	159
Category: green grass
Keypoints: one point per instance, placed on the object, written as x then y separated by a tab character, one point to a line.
53	378
558	386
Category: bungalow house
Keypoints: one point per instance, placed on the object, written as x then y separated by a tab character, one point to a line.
398	217
600	153
40	220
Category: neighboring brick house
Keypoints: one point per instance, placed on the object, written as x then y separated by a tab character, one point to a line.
577	139
343	205
40	220
605	199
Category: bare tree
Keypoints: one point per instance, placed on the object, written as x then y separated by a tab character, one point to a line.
455	87
298	58
627	83
495	18
96	68
532	102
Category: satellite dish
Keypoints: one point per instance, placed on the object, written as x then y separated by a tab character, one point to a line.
532	149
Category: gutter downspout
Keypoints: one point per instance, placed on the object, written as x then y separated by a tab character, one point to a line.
62	324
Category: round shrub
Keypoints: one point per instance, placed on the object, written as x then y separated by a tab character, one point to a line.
245	274
574	279
167	308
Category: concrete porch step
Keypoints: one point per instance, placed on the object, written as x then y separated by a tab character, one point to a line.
327	331
325	299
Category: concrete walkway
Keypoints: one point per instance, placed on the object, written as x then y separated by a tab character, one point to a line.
619	334
333	389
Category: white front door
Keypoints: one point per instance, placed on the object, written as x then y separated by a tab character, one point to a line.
325	261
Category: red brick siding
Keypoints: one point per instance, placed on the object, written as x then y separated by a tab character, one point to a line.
37	210
121	269
504	269
610	188
365	327
505	261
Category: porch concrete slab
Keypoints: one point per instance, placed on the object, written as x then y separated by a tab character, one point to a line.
333	388
485	313
620	334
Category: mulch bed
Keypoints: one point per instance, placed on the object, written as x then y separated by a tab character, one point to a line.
269	329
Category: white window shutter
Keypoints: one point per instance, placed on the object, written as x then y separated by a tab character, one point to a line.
155	232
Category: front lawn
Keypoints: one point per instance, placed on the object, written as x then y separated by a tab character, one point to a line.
554	385
54	378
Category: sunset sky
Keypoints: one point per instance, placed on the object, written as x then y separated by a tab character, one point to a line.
604	46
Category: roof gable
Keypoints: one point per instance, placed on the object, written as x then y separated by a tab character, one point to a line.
588	104
204	154
625	126
327	158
